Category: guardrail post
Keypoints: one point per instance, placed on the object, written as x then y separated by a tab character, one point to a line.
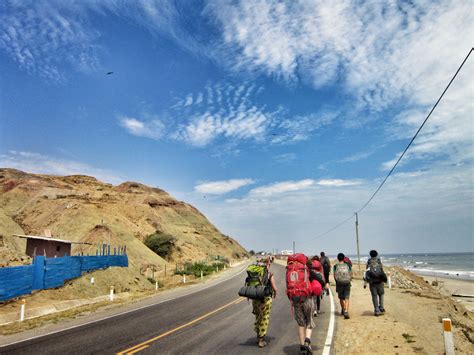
448	337
22	310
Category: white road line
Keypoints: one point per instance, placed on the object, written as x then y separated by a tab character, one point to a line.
328	343
126	312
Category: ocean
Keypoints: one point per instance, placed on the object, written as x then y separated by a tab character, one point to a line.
451	265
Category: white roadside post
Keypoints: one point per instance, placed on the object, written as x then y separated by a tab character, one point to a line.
389	281
448	336
184	278
202	276
111	297
92	280
217	269
156	286
22	310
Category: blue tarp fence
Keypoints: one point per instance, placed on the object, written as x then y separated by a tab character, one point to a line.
47	273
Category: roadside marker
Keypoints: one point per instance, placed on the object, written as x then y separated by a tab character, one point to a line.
448	336
389	281
22	310
156	286
111	296
184	278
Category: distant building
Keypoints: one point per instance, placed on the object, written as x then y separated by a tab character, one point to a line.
47	246
286	252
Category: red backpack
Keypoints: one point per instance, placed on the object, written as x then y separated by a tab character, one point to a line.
298	287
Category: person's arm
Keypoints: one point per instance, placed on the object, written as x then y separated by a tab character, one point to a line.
272	282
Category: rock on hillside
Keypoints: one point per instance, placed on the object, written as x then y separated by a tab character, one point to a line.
81	208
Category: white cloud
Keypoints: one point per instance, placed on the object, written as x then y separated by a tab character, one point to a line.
222	187
414	212
42	164
337	182
153	129
281	187
43	38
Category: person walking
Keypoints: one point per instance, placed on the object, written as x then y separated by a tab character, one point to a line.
316	277
298	290
261	308
342	272
376	277
326	263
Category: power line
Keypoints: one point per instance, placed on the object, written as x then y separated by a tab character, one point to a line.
401	156
416	134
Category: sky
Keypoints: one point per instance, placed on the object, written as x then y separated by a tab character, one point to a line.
278	120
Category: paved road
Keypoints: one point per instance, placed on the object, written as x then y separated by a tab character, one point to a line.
210	321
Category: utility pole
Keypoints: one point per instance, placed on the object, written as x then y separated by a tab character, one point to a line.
357	238
294	250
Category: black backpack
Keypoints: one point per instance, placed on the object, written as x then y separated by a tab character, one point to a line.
326	266
375	271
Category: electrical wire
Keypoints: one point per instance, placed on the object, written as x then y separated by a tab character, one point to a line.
401	156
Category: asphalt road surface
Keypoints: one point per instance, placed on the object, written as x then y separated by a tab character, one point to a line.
211	321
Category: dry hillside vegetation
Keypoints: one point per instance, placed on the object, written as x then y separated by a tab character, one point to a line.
81	208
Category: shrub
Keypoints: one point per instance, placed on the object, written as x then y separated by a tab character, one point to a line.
161	244
196	268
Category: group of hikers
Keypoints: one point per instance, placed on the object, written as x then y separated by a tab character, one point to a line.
307	282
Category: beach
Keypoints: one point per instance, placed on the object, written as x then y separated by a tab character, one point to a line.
412	322
449	286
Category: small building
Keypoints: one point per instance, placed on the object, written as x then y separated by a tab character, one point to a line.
47	246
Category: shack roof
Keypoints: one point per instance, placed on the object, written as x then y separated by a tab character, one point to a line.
48	239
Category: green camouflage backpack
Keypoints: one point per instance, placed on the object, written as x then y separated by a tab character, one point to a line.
257	275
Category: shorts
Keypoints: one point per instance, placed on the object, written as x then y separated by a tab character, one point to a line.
304	313
343	291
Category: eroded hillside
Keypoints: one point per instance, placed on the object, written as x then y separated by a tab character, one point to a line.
81	208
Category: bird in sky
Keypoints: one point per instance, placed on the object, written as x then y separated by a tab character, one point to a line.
110	72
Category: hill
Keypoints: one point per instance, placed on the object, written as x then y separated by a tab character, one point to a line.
81	208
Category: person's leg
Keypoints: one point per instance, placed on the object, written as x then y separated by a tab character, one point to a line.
318	303
301	334
381	292
265	320
375	300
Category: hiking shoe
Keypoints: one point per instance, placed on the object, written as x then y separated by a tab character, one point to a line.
346	315
377	313
309	351
303	350
342	312
382	310
261	342
315	313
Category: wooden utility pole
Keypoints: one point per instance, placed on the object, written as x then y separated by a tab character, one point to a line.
357	238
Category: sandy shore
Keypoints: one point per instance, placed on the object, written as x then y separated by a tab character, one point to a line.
449	286
412	323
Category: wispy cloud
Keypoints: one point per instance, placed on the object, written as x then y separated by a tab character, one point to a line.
337	182
285	158
43	38
153	129
42	164
222	187
281	187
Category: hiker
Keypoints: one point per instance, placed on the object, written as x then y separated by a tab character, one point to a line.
376	277
318	283
262	307
324	260
343	275
298	290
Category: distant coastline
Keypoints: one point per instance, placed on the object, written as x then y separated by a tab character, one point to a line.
458	266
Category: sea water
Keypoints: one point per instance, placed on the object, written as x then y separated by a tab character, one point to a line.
451	265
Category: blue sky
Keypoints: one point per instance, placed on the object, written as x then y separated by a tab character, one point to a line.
277	120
